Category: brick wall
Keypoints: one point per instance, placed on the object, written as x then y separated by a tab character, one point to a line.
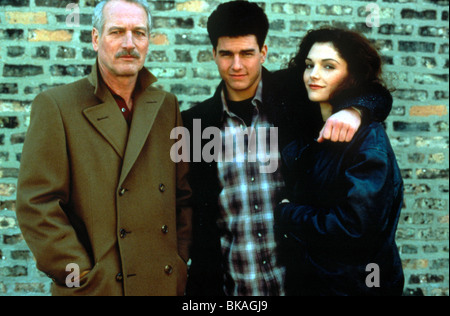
44	45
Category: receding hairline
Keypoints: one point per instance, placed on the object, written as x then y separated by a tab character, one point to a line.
98	19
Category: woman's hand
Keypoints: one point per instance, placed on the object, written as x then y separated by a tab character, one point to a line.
341	126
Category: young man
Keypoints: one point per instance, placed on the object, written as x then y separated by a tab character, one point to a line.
101	205
234	248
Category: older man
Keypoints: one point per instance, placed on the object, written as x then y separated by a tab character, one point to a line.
100	203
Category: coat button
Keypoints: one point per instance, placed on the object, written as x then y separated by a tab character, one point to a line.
168	269
122	191
119	277
165	229
123	233
162	188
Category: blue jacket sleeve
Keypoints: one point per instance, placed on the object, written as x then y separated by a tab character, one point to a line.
358	218
375	100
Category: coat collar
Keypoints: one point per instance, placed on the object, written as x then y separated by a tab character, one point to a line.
145	79
109	122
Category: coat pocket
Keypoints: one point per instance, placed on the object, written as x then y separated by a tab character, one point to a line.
88	285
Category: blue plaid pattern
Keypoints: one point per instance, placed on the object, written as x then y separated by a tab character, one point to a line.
247	202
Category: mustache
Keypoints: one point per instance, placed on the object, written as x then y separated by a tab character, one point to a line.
133	53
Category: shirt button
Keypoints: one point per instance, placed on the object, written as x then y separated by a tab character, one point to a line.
253	179
168	269
259	235
124	110
256	207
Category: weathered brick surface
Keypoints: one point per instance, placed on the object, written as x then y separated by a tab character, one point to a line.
43	45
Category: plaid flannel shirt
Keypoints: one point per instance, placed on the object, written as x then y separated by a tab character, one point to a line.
247	203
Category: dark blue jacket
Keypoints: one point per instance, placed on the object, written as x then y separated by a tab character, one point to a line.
345	206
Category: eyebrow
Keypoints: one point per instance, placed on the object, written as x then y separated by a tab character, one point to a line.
326	59
244	51
120	28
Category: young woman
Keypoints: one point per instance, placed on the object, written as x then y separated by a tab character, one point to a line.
337	226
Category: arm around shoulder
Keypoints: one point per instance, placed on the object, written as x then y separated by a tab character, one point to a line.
374	101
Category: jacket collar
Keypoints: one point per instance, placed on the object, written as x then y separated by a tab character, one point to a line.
217	108
256	101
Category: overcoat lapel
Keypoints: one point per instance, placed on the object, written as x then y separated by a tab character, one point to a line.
110	123
106	118
144	114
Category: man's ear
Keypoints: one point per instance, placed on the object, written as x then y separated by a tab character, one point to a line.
95	39
264	51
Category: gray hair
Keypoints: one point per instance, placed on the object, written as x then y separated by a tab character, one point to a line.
98	19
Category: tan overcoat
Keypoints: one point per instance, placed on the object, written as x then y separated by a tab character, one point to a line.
104	196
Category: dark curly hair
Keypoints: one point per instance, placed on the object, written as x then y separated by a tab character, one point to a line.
363	60
238	18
